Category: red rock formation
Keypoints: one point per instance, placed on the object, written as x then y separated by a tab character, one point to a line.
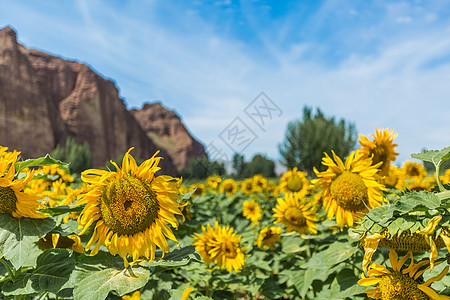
165	128
44	99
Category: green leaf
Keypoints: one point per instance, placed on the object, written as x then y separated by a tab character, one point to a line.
176	258
434	156
52	271
17	237
414	200
63	209
96	276
40	162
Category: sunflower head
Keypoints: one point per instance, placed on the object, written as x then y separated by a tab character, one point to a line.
349	189
221	246
259	183
228	186
12	200
213	182
131	208
296	214
252	211
294	181
247	186
399	282
413	170
56	240
268	236
381	149
199	189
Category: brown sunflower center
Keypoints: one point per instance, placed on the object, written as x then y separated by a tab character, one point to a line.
413	171
380	154
294	216
400	286
228	187
294	183
229	249
349	191
129	205
8	200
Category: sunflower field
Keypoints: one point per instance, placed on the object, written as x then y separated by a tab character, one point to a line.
362	229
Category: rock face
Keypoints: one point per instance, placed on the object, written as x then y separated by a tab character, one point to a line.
165	128
45	99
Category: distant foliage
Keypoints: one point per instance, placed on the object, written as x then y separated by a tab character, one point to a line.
306	140
79	156
258	165
201	168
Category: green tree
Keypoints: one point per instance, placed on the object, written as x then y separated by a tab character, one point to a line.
259	165
306	140
78	156
238	164
201	168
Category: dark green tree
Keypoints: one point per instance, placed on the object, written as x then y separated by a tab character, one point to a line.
306	140
201	168
78	156
238	164
259	165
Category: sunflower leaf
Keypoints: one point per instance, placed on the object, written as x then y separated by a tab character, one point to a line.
17	237
437	157
176	258
63	209
40	162
96	276
51	273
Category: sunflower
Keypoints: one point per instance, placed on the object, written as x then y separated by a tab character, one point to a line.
199	189
268	236
5	154
12	199
349	190
130	208
259	183
446	178
294	181
252	211
418	184
221	246
56	240
419	241
413	170
298	215
401	283
247	186
381	149
213	182
228	186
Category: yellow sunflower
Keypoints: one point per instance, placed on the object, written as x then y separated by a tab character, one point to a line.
446	178
268	236
12	199
349	190
413	170
131	208
401	283
259	183
422	240
221	246
228	186
294	181
297	215
247	186
5	154
381	149
213	182
199	189
252	211
56	240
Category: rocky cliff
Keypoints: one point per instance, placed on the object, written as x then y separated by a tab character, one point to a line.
45	99
165	128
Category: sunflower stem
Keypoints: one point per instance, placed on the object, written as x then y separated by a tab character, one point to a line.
11	272
443	195
441	187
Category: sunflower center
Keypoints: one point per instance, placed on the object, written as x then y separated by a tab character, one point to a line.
407	241
349	191
294	216
8	200
229	249
129	205
294	183
228	187
380	154
400	286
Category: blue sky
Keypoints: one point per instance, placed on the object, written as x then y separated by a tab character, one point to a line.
375	63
